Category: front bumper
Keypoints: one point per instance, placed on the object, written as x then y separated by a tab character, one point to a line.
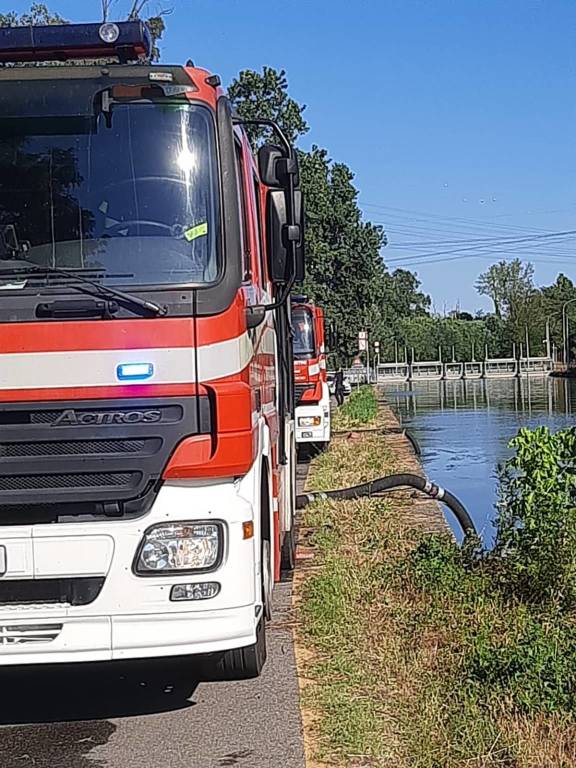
106	638
317	434
132	616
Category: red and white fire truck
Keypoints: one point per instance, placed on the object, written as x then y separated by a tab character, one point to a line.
311	392
146	395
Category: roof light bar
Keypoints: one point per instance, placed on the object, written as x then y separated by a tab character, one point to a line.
126	41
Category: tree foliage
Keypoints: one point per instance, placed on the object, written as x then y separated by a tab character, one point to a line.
155	24
510	285
265	95
432	337
345	272
525	311
39	14
536	526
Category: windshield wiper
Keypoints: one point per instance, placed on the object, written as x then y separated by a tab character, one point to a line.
92	288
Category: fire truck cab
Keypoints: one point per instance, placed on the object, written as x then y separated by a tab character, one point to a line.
146	397
311	392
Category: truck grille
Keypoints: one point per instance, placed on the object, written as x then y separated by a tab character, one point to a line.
90	457
47	482
75	448
299	390
40	593
20	634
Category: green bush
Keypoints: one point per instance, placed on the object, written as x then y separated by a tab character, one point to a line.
535	547
529	660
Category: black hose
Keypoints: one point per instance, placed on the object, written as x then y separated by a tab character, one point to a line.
415	444
389	483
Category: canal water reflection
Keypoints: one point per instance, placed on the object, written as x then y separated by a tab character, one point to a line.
464	428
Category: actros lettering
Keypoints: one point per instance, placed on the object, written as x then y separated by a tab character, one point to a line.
72	418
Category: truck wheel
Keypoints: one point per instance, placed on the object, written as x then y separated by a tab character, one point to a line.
244	663
288	562
267	579
288	551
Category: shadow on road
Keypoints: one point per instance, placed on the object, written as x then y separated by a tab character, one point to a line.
66	745
56	716
94	692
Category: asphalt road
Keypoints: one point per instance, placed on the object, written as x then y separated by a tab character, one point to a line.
138	716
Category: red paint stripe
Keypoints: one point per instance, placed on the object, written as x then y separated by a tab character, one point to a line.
103	335
96	335
227	325
98	393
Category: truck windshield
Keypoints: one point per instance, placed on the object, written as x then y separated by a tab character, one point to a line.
132	194
303	327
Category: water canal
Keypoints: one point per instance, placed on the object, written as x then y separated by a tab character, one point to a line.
464	428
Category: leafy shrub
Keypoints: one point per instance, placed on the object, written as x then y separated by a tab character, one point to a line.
535	547
528	660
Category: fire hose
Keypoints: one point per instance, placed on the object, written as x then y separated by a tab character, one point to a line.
390	483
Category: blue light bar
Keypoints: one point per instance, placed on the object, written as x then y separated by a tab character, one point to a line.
134	371
124	40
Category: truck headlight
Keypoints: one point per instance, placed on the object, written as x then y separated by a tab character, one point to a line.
309	421
179	547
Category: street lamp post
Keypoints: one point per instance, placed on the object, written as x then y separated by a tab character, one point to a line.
565	331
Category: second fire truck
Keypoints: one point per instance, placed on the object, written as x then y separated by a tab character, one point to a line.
312	396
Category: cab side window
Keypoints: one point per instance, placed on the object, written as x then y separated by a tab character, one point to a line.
246	266
256	196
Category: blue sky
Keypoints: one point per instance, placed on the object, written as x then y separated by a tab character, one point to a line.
458	117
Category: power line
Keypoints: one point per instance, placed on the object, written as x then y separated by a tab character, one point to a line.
495	242
544	250
437	218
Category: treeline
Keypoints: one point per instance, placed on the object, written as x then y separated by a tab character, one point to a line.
524	317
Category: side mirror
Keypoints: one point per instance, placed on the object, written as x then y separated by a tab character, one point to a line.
281	235
268	156
274	167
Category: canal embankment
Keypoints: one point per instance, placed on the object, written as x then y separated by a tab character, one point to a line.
413	651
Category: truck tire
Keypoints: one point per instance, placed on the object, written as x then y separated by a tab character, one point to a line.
288	551
288	561
244	663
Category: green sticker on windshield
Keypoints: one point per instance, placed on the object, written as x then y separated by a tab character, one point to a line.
198	231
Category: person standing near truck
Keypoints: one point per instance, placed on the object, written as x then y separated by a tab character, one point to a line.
339	386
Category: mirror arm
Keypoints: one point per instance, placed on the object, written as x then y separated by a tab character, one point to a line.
269	124
257	312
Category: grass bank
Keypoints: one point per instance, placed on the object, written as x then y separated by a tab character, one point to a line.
422	655
360	409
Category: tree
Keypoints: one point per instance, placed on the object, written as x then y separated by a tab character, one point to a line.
155	24
39	14
265	95
462	315
430	336
508	284
553	298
